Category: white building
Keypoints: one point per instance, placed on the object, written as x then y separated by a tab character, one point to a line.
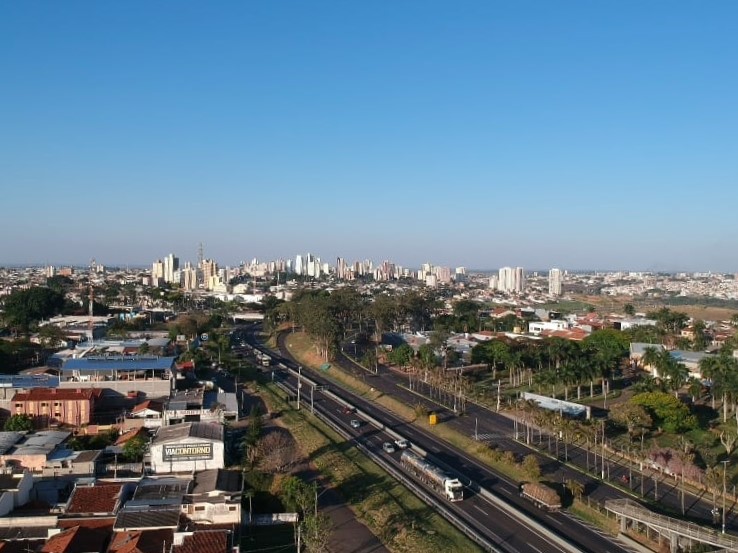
555	282
187	447
171	266
536	327
511	280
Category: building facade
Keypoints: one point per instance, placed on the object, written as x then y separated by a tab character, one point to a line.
50	406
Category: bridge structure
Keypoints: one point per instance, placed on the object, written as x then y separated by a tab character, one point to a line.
678	532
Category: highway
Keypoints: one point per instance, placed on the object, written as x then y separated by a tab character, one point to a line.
499	430
510	534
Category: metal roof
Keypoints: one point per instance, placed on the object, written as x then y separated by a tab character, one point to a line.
28	381
145	517
119	363
177	432
8	440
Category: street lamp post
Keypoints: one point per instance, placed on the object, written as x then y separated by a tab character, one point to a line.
725	470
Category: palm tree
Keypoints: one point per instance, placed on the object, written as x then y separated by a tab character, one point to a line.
721	370
575	487
677	374
650	356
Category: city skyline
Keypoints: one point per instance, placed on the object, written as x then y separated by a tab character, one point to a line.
541	135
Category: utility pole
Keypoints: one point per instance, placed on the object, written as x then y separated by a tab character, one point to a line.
499	383
603	450
312	391
299	385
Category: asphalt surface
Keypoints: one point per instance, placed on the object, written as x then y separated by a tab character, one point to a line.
348	535
621	480
509	533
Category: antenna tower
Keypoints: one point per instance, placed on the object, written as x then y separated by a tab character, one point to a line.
91	297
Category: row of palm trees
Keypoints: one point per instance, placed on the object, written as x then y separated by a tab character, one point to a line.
667	368
721	374
555	364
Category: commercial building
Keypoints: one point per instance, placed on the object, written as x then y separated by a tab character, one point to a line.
31	451
199	405
150	376
187	447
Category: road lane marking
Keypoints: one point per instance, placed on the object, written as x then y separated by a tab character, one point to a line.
478	508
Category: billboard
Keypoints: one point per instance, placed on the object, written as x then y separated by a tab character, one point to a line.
187	452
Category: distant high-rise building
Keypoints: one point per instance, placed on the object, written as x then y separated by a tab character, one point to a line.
555	282
157	272
171	265
189	277
209	272
511	280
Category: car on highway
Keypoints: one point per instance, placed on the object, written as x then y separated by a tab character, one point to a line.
402	443
388	447
355	423
347	410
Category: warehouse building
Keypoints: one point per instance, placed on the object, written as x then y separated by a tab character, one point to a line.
187	447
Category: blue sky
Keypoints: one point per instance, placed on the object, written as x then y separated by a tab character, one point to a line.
576	134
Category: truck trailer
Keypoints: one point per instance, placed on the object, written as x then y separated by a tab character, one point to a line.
451	488
541	495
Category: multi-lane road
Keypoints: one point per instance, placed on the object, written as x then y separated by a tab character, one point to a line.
620	479
510	533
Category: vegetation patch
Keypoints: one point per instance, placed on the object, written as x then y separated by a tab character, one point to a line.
400	520
301	348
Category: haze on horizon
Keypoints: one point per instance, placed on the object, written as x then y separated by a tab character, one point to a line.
577	135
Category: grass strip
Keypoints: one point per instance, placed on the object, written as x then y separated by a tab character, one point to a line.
397	517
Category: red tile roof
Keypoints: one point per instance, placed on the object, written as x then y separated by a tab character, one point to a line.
58	394
205	541
576	334
148	404
76	540
146	541
102	498
123	438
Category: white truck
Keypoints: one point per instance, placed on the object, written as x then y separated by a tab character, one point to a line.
451	488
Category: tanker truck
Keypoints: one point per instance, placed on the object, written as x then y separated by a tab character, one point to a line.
432	476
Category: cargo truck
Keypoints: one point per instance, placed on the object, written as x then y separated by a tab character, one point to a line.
541	495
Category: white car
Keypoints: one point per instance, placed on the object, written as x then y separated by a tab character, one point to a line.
388	447
355	423
402	443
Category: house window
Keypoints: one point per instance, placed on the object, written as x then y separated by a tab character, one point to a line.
57	404
199	508
44	404
231	508
18	405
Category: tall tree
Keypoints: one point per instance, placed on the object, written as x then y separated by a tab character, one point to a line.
24	308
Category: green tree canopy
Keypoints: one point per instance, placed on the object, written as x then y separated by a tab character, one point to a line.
19	423
24	308
134	449
667	411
